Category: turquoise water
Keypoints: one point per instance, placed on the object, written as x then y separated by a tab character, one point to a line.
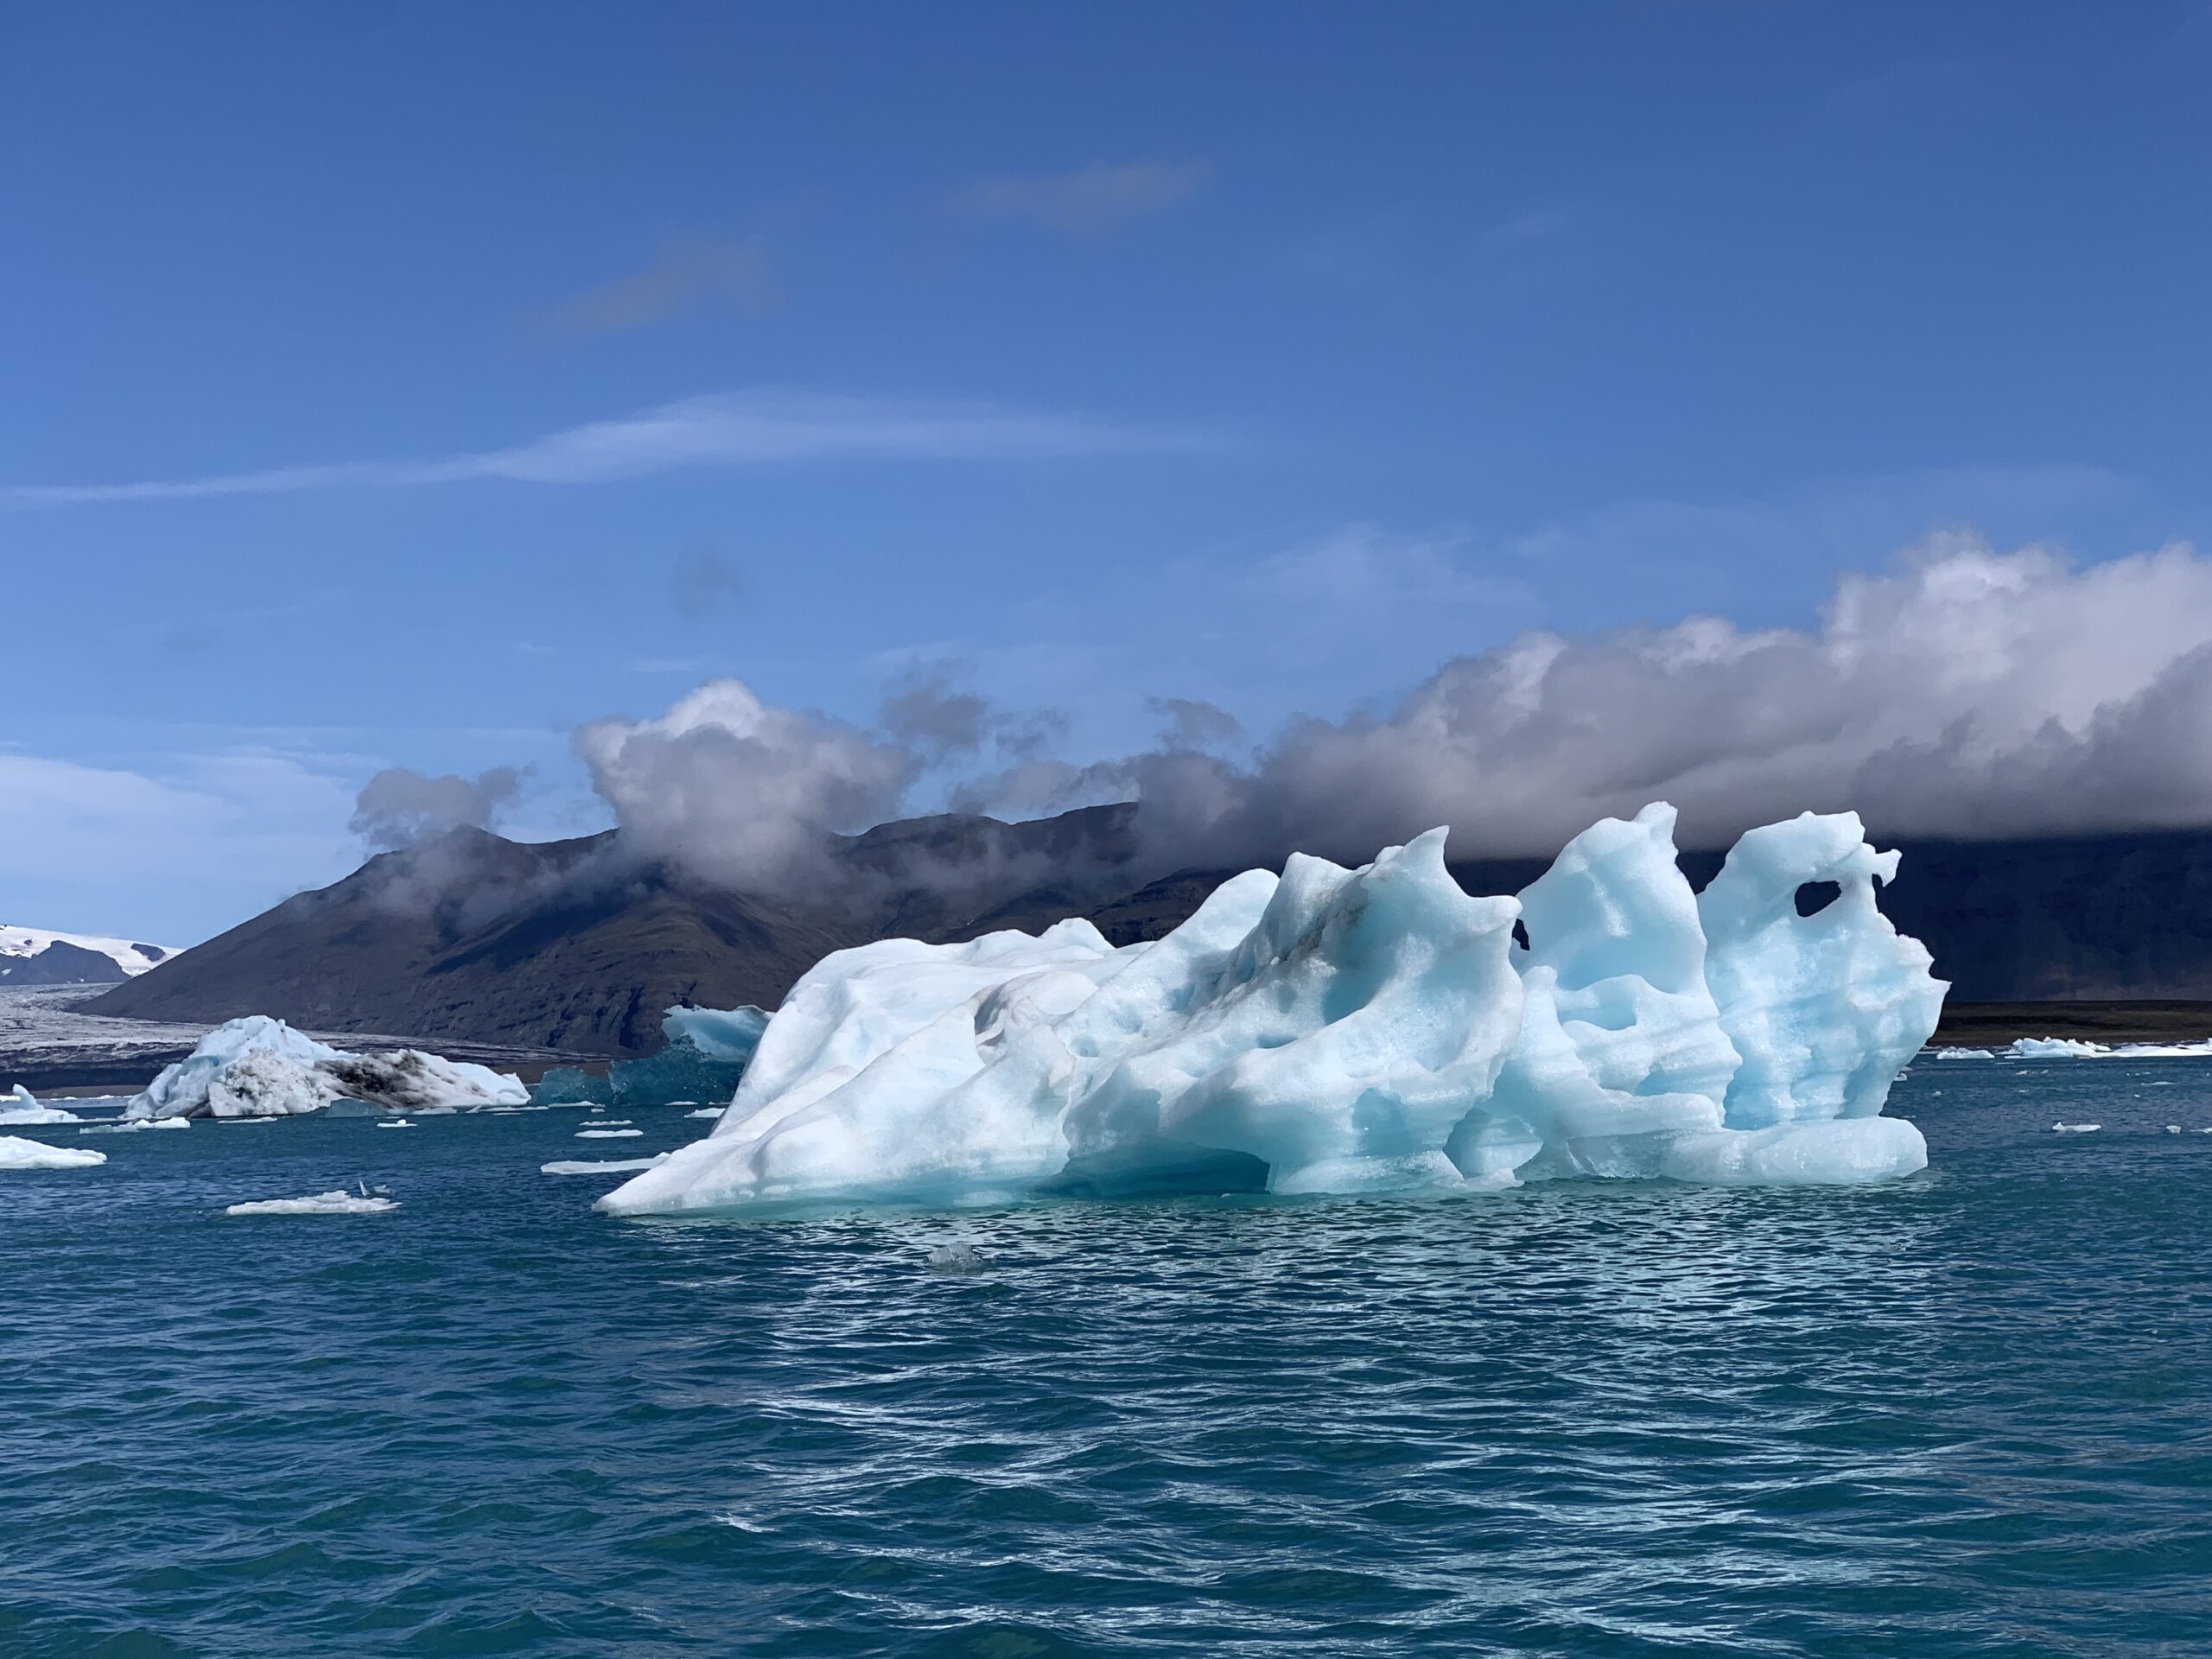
1967	1414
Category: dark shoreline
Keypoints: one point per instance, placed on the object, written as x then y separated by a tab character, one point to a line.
1982	1024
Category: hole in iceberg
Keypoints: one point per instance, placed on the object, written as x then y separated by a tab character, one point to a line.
1816	896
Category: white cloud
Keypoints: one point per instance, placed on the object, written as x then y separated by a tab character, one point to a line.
756	427
1964	692
168	853
1088	198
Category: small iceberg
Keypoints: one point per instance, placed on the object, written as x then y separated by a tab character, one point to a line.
957	1258
2075	1128
132	1125
2076	1048
257	1067
606	1135
609	1166
16	1152
707	1112
20	1109
395	1123
1966	1054
339	1203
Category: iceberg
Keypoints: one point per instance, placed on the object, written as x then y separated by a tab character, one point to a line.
339	1203
20	1109
17	1153
703	1058
2075	1048
257	1067
1367	1030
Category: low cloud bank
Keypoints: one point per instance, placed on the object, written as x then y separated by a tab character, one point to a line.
399	807
1962	692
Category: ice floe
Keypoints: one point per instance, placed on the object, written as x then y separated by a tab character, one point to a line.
257	1067
18	1152
586	1166
606	1135
2079	1048
132	1125
337	1203
1336	1030
19	1109
2075	1128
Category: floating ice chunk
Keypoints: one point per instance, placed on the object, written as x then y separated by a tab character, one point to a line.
2055	1048
19	1109
259	1067
606	1135
131	1125
2173	1129
708	1112
397	1124
2075	1128
586	1166
318	1204
1966	1054
17	1153
1364	1030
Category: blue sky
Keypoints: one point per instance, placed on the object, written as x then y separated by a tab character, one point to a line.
506	368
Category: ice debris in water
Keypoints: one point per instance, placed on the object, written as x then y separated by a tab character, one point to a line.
17	1153
957	1258
2077	1048
132	1125
708	1112
606	1135
2075	1128
19	1107
1375	1029
259	1067
586	1166
339	1203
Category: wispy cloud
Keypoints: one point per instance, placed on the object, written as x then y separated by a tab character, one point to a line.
688	272
1531	227
758	427
1090	198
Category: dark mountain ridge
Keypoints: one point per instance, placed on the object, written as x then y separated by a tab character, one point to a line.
579	945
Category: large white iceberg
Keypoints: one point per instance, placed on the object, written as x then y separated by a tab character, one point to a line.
260	1067
1336	1030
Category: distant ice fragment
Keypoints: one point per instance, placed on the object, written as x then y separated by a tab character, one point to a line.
130	1126
2075	1128
257	1067
586	1166
1348	1030
397	1124
1966	1054
607	1135
708	1112
319	1204
20	1109
17	1153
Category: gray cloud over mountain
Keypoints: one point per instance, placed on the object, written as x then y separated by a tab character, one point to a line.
1962	692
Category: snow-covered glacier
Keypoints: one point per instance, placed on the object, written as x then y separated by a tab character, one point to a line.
260	1067
1336	1030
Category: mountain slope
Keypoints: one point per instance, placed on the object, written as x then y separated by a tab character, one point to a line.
578	945
32	955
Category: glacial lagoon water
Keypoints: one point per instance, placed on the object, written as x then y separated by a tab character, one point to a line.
1966	1414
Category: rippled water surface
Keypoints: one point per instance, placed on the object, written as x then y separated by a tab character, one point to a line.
1968	1414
